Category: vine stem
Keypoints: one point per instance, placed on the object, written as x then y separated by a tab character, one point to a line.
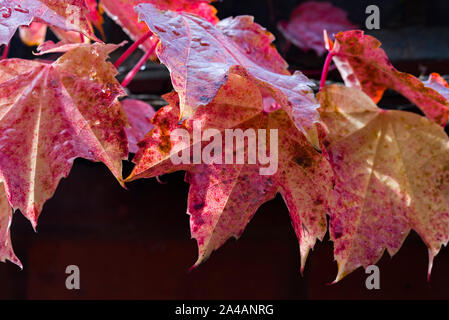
326	66
130	76
132	48
5	51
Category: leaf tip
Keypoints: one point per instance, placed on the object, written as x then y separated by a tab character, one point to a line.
192	268
429	268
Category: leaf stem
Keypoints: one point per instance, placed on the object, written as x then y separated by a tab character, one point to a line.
6	51
132	48
130	76
326	66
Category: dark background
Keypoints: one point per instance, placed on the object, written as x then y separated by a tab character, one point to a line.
135	243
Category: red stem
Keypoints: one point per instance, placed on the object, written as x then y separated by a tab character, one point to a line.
130	76
327	64
6	51
132	48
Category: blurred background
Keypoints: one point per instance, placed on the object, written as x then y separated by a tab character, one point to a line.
135	243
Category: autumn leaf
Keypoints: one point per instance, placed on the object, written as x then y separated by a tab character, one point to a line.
309	20
95	15
200	57
6	251
52	113
122	11
139	116
437	83
364	65
223	197
59	47
34	34
392	175
69	36
69	15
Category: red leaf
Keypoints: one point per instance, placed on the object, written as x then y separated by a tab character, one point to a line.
437	83
223	197
122	11
364	65
94	14
309	20
200	57
139	116
51	114
65	14
6	251
392	175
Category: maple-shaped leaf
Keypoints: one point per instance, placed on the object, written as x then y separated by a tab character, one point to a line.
309	20
6	251
52	113
224	196
69	15
364	65
200	57
139	115
392	175
122	11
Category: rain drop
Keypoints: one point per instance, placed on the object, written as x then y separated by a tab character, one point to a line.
159	29
6	12
18	8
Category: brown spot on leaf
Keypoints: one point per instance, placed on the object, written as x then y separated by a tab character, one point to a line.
304	159
198	206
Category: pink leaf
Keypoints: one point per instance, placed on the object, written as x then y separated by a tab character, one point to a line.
52	113
364	65
200	57
392	175
6	251
69	15
309	20
139	116
224	197
122	11
94	14
33	35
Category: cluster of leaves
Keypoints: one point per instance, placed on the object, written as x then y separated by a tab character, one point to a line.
377	174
